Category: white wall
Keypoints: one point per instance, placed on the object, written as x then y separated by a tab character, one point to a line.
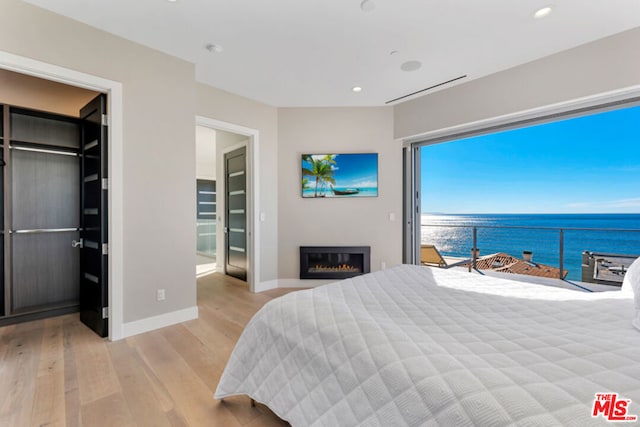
217	104
159	149
206	153
340	221
594	68
227	139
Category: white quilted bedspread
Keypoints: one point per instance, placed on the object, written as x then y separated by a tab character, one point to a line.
419	346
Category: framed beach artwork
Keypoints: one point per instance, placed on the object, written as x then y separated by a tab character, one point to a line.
340	175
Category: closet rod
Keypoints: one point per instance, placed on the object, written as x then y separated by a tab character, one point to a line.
43	230
42	150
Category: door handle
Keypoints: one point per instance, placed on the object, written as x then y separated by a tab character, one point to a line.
77	243
226	230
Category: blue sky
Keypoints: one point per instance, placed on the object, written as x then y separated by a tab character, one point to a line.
355	170
589	164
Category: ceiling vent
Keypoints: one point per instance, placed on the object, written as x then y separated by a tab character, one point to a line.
426	89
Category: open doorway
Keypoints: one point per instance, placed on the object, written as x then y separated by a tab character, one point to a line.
222	192
541	184
206	201
54	196
111	124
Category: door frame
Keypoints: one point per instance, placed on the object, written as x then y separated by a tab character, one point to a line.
253	190
113	90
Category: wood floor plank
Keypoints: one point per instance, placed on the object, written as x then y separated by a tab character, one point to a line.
278	292
107	411
48	403
96	376
248	415
19	372
5	338
51	350
218	320
201	359
137	388
161	393
58	372
242	311
177	420
208	366
192	397
71	326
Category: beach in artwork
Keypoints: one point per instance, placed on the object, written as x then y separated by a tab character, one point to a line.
339	175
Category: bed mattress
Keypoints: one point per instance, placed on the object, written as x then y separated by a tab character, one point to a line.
415	346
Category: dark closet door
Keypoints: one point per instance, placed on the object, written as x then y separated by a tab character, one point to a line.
93	214
236	213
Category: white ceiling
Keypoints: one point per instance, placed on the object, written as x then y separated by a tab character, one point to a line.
312	52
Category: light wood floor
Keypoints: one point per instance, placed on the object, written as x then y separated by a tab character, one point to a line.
57	372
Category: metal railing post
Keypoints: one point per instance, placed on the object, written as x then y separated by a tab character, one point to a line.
475	247
561	253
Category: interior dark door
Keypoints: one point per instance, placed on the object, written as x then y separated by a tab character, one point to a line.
93	214
236	213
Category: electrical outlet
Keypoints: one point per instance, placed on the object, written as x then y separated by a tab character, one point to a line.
160	296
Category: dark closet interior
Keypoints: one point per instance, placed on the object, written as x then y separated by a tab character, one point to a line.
40	213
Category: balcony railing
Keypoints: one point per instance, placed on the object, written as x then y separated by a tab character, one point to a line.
549	245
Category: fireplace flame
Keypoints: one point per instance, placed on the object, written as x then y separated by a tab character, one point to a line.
335	268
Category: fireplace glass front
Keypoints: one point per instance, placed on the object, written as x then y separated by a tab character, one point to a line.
333	262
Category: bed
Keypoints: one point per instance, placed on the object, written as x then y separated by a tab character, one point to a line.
415	345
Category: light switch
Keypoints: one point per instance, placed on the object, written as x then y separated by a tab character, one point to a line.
263	217
392	216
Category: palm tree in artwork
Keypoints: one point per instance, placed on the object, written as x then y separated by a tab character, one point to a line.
327	180
321	169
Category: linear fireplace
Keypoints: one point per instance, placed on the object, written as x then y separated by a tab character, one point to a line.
334	262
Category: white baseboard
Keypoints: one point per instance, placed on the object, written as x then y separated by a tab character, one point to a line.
265	286
157	322
303	283
289	283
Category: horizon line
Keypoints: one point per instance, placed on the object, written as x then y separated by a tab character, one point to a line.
530	213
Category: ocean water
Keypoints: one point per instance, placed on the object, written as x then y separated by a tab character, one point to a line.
364	192
444	231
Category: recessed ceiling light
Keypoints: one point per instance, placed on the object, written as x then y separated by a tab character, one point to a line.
541	13
356	89
213	48
172	1
411	65
367	5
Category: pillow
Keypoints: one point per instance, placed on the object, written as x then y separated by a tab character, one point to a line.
632	282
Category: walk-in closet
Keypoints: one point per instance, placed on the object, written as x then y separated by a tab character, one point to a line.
53	200
41	215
